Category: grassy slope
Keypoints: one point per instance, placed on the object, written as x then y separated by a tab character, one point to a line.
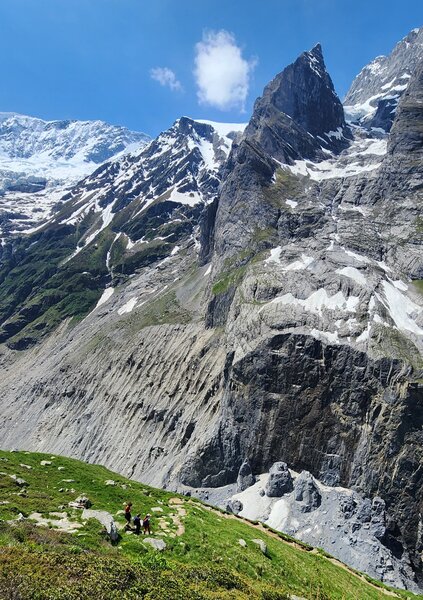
206	561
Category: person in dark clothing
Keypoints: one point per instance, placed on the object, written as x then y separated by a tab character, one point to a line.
137	523
146	524
128	515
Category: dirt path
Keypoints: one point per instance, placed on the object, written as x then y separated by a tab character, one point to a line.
180	514
59	521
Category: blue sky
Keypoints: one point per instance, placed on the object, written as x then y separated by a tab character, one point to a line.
144	63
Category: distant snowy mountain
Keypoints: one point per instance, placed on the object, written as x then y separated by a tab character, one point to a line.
374	94
38	159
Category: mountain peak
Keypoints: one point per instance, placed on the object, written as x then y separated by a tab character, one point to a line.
317	51
373	96
304	93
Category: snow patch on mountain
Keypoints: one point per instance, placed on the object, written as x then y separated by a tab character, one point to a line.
107	294
364	154
318	301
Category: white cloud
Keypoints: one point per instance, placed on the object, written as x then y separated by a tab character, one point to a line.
166	77
222	74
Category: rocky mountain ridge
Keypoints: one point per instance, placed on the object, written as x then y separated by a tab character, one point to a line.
287	327
374	94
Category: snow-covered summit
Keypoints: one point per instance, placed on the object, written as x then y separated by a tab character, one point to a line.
59	149
373	96
39	159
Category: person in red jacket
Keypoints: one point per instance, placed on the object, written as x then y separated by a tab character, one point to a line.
128	515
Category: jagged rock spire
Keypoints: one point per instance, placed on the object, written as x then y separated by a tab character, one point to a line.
301	108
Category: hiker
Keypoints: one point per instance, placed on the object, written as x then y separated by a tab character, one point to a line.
146	524
128	515
137	523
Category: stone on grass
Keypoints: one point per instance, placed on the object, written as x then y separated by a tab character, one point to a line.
262	545
45	463
81	502
18	480
242	543
110	482
105	519
158	545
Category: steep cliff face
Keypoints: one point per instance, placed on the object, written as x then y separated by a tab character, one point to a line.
298	117
301	338
324	329
308	113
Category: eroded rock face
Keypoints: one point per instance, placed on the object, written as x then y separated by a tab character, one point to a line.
245	476
307	492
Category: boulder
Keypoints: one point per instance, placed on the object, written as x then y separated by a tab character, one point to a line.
280	480
364	512
242	543
262	545
105	519
158	545
245	477
234	506
45	463
347	506
306	492
18	480
81	502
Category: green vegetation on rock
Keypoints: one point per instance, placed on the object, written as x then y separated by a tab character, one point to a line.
163	309
286	186
203	558
418	284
